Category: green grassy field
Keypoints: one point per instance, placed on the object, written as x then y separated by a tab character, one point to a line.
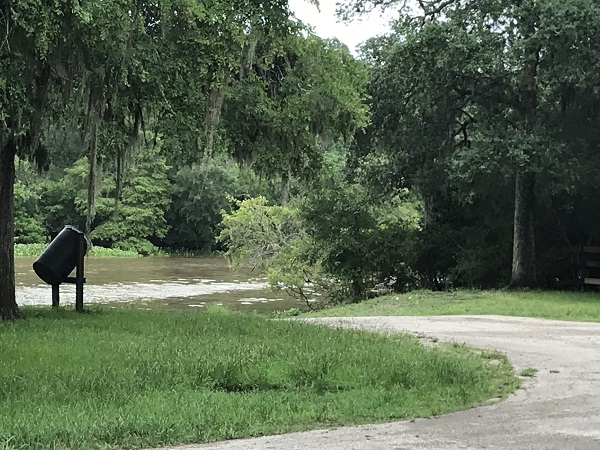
101	252
578	306
125	379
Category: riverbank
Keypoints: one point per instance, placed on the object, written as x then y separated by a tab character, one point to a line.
575	306
34	250
114	379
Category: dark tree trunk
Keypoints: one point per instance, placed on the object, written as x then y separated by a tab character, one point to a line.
92	170
8	304
523	263
285	189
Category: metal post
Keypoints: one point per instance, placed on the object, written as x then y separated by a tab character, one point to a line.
79	274
55	295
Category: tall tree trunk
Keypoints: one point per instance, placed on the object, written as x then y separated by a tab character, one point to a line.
96	108
523	263
8	304
214	106
285	188
92	170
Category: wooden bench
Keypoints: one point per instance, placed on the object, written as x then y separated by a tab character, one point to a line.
589	273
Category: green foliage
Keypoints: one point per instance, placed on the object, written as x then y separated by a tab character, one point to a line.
116	379
127	225
29	227
29	249
140	213
361	242
273	238
200	193
280	112
336	245
467	96
116	80
295	271
255	232
453	105
63	200
102	252
528	372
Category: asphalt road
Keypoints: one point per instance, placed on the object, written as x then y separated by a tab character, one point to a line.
557	409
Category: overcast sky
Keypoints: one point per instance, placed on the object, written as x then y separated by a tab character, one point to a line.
326	24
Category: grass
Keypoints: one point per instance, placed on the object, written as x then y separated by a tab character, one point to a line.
529	372
579	306
126	379
101	252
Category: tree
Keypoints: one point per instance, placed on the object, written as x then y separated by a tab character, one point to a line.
29	223
140	213
29	40
336	242
359	240
292	103
469	90
112	69
200	193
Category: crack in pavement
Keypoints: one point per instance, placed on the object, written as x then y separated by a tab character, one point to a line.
558	409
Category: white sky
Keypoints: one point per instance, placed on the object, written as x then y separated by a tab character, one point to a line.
327	25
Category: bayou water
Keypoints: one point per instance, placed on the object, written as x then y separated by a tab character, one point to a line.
158	283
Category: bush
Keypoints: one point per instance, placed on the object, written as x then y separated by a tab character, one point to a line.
256	232
29	228
140	214
271	238
331	248
200	193
362	243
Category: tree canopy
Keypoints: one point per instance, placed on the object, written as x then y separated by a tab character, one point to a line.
117	80
460	149
469	94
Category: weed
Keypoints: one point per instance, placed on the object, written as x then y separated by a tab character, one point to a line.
529	372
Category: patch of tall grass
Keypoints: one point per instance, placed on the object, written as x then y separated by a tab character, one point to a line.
581	306
128	379
33	250
103	252
29	249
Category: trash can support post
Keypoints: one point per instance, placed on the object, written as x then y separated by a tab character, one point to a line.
55	295
64	253
79	274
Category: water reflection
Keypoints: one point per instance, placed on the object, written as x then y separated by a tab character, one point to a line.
157	282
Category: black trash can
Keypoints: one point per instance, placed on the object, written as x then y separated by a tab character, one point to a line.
60	257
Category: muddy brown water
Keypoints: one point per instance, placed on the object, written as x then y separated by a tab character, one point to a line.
158	283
